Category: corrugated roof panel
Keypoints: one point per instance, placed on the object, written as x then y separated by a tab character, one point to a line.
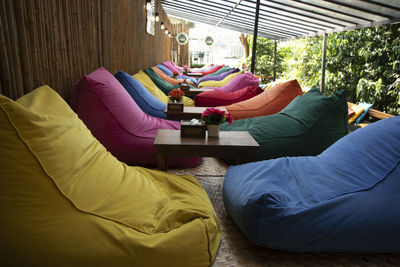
286	19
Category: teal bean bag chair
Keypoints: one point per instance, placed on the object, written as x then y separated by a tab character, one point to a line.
305	127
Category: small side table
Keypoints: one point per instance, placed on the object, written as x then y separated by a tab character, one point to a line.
237	144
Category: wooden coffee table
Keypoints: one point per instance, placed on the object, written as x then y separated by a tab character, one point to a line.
232	144
187	114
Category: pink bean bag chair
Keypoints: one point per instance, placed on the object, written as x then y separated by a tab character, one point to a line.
114	118
269	102
221	98
238	82
171	66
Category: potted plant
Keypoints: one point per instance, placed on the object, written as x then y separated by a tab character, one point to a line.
175	103
213	117
184	85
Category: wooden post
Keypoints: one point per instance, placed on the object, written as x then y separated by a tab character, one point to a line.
253	54
275	60
324	41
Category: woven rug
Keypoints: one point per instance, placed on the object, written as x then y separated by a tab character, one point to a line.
235	250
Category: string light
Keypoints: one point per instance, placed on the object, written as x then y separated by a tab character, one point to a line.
162	26
169	35
157	17
166	31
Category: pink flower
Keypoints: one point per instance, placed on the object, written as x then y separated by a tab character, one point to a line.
229	117
216	116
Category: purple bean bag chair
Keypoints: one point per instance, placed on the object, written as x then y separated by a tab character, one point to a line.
240	81
216	98
218	77
114	118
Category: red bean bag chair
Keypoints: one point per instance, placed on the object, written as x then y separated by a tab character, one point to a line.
238	82
269	102
221	98
114	118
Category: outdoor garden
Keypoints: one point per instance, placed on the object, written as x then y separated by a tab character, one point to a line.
366	63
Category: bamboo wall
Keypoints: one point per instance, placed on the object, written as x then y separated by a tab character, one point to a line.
55	42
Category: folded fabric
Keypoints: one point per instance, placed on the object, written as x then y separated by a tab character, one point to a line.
238	82
144	79
345	199
165	86
220	98
366	107
218	77
357	111
305	127
118	122
269	102
143	98
66	201
213	84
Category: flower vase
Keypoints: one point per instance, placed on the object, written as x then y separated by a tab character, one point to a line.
175	106
213	130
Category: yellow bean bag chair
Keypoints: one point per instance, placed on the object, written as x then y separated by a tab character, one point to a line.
219	83
66	201
142	77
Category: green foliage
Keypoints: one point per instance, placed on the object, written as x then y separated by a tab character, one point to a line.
366	63
264	64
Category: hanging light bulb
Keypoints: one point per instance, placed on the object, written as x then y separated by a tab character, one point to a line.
166	31
169	35
157	17
162	26
148	4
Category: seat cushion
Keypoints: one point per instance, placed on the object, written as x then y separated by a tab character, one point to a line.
220	98
66	201
271	101
143	98
305	127
345	199
154	90
118	122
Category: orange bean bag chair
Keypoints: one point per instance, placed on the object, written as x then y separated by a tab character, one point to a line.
167	78
269	102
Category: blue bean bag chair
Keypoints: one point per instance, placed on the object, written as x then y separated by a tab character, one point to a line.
345	199
165	70
142	97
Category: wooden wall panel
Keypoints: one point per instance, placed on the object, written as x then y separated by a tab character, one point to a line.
55	42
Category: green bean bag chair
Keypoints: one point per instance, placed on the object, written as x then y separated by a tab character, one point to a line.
305	127
165	86
66	201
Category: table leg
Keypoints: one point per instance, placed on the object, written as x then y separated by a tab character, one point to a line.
162	162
